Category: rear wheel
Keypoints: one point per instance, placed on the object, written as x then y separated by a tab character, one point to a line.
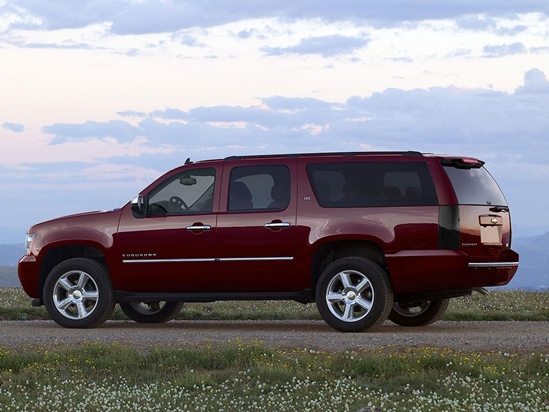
418	313
78	293
151	312
354	294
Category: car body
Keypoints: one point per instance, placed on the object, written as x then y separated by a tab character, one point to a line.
367	235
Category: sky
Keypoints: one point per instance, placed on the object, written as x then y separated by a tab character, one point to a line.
100	97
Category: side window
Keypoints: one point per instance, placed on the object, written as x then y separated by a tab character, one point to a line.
367	184
262	187
187	192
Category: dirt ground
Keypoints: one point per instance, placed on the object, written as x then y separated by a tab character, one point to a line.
510	337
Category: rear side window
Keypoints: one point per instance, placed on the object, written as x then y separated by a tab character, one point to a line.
475	186
262	187
372	184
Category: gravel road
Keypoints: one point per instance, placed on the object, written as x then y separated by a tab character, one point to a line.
511	337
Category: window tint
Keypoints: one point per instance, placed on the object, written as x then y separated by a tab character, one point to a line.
262	187
372	184
188	192
475	186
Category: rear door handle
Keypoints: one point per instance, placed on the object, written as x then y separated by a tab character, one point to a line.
199	227
277	225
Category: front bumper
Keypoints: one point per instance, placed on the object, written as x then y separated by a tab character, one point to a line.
28	270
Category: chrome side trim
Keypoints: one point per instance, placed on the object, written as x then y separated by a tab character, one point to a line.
167	260
245	259
493	264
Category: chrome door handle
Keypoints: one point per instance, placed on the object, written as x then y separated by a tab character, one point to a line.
277	225
203	227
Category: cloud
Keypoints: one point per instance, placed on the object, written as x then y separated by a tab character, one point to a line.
59	46
535	82
326	46
118	172
255	115
174	114
13	16
138	17
481	22
185	39
296	103
118	129
438	119
14	127
131	113
504	49
511	31
244	34
476	22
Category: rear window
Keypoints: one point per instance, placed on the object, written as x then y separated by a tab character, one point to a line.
370	184
475	186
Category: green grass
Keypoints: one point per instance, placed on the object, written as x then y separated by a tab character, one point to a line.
248	376
239	376
500	304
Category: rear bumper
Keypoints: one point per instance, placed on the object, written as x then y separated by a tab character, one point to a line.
495	265
496	273
416	271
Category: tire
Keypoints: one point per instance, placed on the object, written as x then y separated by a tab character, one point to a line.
354	294
78	294
151	312
418	313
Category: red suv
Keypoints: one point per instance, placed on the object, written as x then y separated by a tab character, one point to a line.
364	235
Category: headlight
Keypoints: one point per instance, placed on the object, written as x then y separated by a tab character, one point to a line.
28	243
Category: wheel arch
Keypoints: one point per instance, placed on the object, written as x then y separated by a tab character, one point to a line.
59	254
329	252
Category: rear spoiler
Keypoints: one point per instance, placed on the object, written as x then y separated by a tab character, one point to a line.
463	163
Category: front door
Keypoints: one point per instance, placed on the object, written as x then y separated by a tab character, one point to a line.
172	248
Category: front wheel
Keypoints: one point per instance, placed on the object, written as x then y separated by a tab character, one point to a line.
354	294
78	293
418	313
151	312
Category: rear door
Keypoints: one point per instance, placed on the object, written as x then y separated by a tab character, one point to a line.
256	226
485	223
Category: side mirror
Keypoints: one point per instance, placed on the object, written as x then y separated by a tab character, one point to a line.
137	206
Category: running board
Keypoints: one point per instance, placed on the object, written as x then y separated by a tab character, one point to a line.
302	296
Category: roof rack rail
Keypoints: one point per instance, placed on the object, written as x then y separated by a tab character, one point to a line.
403	153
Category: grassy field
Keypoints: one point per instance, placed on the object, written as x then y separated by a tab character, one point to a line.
248	376
501	304
242	377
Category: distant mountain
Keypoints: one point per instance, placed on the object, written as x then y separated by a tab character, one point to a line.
9	256
533	272
8	276
11	253
9	235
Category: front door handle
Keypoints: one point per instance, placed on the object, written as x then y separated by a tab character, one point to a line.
277	225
